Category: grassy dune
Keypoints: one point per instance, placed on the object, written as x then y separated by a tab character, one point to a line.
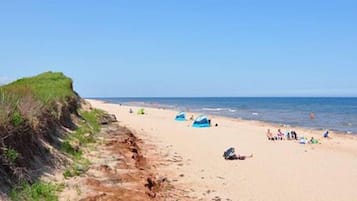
35	110
26	98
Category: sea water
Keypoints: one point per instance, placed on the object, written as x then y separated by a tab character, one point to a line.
339	114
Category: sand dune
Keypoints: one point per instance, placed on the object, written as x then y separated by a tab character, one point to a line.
280	170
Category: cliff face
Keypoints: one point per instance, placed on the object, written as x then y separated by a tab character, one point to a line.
34	114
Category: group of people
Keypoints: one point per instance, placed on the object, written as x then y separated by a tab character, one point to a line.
280	135
292	135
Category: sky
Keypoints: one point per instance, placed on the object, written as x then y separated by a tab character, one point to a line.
181	48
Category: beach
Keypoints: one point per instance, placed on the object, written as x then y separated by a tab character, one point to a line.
279	170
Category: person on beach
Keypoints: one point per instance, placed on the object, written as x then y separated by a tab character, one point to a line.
313	141
293	135
230	155
325	135
280	134
270	135
130	111
192	117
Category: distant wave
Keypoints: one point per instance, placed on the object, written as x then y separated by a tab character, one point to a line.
255	113
212	109
218	109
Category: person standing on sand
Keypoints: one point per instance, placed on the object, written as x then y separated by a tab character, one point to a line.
293	135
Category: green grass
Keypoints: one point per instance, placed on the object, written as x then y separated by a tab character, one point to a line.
92	119
38	191
46	87
21	99
84	135
10	154
68	148
16	119
79	167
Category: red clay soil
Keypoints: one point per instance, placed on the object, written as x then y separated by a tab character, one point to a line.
137	182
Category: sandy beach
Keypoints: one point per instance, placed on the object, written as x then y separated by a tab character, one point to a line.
279	170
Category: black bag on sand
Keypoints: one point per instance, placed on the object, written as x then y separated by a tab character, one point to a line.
228	153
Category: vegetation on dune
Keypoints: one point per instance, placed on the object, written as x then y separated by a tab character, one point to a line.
83	135
36	192
26	98
46	87
35	110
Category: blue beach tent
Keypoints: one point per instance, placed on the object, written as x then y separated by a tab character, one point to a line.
201	122
180	116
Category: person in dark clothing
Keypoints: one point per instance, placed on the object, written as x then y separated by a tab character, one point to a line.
230	155
293	135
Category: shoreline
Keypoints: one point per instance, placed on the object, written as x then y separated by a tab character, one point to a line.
267	123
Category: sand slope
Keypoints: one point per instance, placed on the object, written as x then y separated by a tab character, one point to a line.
283	170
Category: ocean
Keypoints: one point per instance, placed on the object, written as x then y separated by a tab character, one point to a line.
338	114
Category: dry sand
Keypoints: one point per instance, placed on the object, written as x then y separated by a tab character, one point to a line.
279	170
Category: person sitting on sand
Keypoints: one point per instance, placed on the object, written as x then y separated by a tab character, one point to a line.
280	134
325	134
313	141
270	135
230	155
130	111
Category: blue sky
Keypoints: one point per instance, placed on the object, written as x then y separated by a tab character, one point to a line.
185	48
